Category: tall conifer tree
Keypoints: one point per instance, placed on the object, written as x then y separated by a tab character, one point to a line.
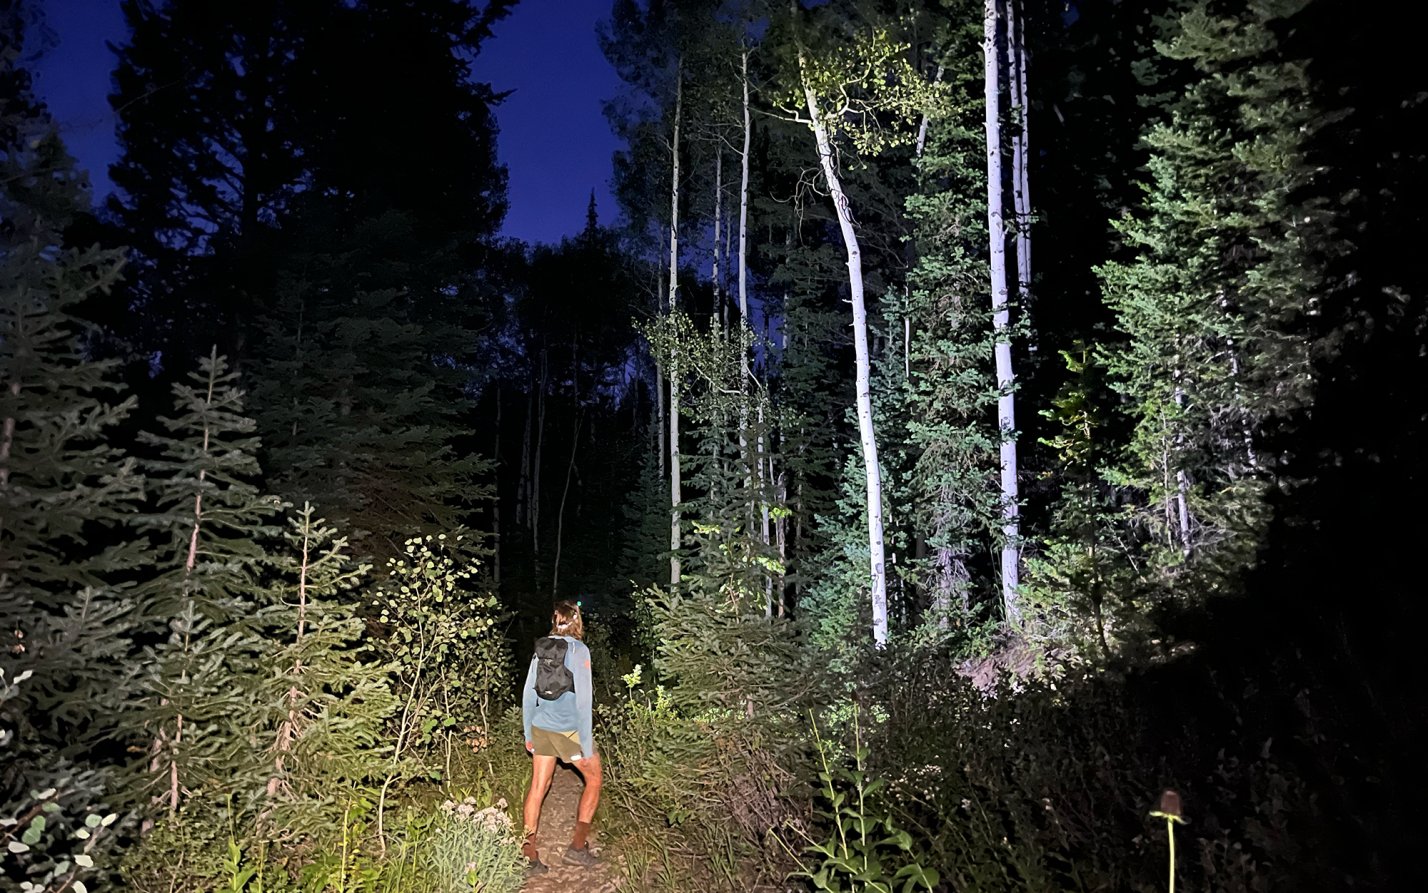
1224	271
67	492
211	525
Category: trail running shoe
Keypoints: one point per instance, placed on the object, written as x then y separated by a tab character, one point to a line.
582	857
536	867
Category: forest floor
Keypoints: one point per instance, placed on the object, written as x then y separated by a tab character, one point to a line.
557	824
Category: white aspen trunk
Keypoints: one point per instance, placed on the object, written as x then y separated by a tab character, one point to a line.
743	274
675	487
765	477
728	253
659	376
1182	480
1021	147
781	524
496	498
871	471
674	481
781	533
744	199
922	127
907	347
1006	407
722	313
659	417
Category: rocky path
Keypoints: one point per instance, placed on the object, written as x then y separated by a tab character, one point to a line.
557	823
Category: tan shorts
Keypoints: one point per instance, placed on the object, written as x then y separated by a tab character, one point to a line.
565	745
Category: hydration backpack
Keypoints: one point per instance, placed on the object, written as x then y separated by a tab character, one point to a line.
553	679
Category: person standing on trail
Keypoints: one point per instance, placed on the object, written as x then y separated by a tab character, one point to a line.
556	705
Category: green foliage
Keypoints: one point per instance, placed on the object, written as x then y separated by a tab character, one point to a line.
1079	583
726	408
349	371
327	702
68	490
1048	785
450	661
453	847
210	525
219	216
708	755
187	849
57	838
948	395
473	849
865	850
1224	271
862	86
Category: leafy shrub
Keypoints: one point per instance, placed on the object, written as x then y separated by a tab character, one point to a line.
474	849
704	763
1050	786
451	663
49	847
865	849
54	837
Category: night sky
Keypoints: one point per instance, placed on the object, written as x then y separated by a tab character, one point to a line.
554	139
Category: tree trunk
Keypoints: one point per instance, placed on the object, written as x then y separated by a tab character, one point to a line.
1021	147
674	481
1006	407
744	195
765	479
871	471
290	727
663	453
781	533
535	472
721	312
496	498
523	488
560	515
744	274
1182	480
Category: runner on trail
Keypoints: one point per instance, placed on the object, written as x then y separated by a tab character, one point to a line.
556	705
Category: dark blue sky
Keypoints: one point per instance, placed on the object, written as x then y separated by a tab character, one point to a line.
554	139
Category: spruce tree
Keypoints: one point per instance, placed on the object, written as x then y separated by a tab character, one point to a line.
66	492
65	488
328	222
211	527
325	698
951	394
1224	272
359	407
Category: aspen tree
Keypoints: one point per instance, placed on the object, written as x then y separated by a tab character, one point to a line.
1001	322
839	92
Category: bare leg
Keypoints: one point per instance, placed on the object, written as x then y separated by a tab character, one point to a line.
589	770
542	770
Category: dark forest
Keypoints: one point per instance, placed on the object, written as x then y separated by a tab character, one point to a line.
984	450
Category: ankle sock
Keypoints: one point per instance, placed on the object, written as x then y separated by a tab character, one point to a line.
581	840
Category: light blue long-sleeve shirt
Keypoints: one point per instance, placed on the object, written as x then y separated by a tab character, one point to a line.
571	712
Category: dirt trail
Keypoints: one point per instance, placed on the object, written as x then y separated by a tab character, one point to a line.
557	824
